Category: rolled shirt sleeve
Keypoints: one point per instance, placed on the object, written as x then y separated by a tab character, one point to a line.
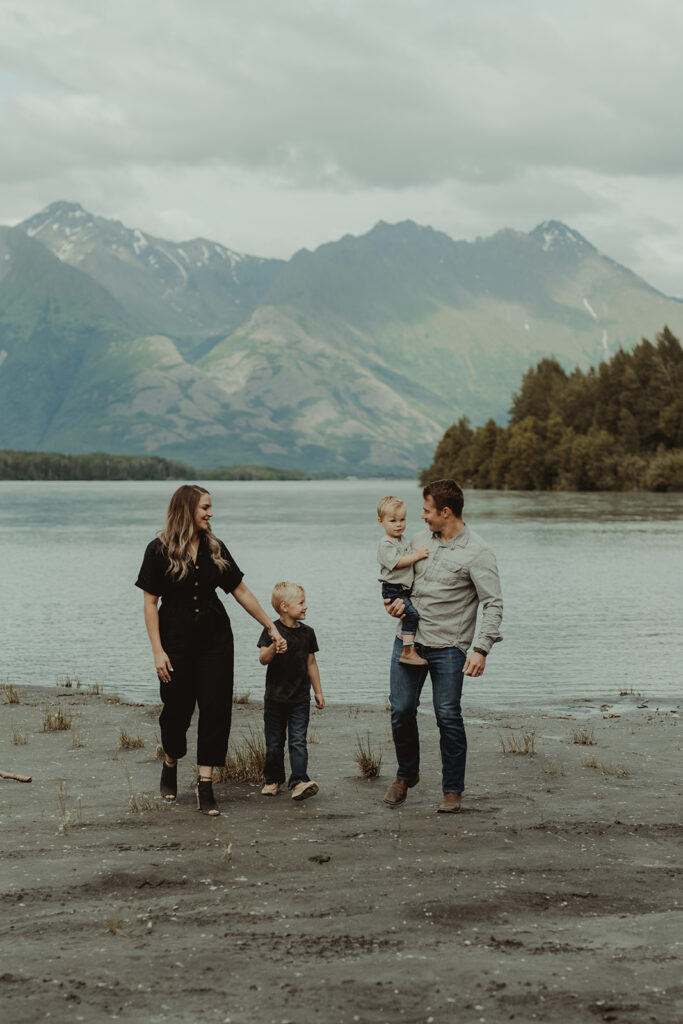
486	582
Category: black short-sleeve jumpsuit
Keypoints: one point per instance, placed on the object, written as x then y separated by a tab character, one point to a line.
197	637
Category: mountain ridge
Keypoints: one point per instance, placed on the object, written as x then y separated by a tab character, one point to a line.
352	357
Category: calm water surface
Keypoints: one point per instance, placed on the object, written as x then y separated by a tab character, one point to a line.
592	585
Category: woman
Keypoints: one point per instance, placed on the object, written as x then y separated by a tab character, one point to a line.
191	636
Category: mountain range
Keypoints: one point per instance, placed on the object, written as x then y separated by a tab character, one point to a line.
352	358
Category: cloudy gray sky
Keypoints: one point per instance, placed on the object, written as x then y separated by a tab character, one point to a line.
270	125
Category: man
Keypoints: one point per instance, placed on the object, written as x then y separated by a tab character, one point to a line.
459	575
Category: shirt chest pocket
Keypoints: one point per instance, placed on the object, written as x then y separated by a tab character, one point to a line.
453	573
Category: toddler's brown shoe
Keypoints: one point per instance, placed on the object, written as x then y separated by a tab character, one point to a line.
410	656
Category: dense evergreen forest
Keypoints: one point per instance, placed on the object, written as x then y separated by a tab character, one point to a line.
618	427
100	466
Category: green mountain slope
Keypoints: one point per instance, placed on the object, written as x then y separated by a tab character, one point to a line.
352	358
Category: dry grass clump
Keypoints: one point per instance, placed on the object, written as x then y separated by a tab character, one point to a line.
76	741
523	743
18	738
246	761
95	689
68	682
56	721
586	737
115	924
127	742
9	694
139	802
369	763
553	768
620	770
72	817
241	698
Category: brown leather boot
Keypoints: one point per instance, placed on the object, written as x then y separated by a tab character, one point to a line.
409	656
451	803
398	791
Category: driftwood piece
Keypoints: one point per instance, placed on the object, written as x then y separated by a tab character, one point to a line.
17	778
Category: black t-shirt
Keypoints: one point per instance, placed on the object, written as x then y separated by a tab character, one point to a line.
287	675
190	611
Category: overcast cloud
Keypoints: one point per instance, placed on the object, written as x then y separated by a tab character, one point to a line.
270	125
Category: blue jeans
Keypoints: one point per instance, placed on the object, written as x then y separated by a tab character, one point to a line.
405	686
286	720
411	619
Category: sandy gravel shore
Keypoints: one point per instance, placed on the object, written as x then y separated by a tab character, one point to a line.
554	896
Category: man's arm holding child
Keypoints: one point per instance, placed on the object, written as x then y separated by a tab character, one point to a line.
314	676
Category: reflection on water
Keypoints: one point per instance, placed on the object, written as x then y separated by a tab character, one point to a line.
591	584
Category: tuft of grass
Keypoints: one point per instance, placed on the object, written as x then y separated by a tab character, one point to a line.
369	763
621	771
68	682
127	742
140	802
246	761
9	694
553	768
313	736
76	741
95	689
115	924
56	721
72	817
241	698
523	743
586	737
19	739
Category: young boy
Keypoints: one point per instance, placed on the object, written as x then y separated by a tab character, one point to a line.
396	561
287	707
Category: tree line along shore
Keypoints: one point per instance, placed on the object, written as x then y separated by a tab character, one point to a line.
617	427
18	465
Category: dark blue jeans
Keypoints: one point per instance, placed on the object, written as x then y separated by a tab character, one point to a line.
410	621
405	686
284	720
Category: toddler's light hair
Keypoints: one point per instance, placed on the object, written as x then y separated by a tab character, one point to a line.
285	593
389	504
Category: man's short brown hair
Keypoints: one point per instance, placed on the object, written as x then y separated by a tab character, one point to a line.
445	494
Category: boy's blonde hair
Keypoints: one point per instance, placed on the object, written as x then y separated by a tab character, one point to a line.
284	593
389	504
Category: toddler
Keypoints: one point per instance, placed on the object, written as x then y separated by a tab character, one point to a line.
396	559
287	703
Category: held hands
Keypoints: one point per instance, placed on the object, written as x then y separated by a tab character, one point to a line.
279	641
163	666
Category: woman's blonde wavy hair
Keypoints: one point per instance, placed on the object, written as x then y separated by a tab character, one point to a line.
176	536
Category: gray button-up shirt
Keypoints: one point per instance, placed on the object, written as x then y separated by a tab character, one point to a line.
459	575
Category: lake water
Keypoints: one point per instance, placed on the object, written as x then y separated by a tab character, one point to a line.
591	582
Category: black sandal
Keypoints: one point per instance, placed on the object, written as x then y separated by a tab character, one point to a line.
206	801
168	787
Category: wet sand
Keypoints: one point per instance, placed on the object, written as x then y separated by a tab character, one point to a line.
554	896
